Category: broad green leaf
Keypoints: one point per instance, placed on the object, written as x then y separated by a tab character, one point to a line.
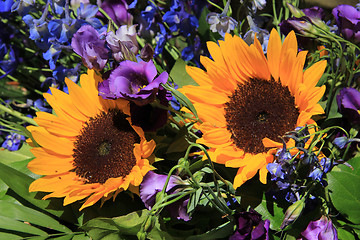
344	189
344	234
220	232
64	237
17	226
179	74
81	236
22	213
23	153
269	210
19	183
128	225
9	236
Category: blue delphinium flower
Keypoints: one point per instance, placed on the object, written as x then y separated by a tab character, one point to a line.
179	20
5	5
160	38
149	15
8	62
261	34
61	72
52	55
87	14
13	141
221	23
23	7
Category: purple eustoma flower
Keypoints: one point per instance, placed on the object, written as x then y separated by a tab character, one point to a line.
321	229
87	43
348	102
348	20
251	227
117	11
154	183
133	81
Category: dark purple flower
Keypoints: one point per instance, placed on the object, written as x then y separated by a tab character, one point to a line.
321	229
348	102
315	12
117	11
150	118
348	20
87	43
133	81
251	226
154	183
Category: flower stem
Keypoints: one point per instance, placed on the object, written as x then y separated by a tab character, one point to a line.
18	115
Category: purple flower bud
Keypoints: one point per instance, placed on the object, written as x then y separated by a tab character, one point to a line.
348	20
251	226
154	183
133	81
348	102
87	43
321	229
117	11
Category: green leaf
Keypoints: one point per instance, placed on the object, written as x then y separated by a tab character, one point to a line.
344	189
22	154
344	234
14	225
182	99
9	236
179	74
25	214
19	183
268	209
194	200
128	225
219	232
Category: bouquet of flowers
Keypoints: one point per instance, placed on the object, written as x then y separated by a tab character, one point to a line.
181	119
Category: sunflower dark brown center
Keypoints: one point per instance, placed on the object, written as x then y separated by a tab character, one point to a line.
104	147
258	109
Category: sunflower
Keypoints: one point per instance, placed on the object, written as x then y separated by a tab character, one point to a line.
89	149
245	100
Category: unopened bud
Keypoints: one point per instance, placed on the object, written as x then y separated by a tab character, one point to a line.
292	213
295	11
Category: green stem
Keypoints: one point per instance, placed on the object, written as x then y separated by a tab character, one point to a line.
18	115
108	17
8	76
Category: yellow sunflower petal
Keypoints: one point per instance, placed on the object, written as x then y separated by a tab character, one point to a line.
273	53
47	140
